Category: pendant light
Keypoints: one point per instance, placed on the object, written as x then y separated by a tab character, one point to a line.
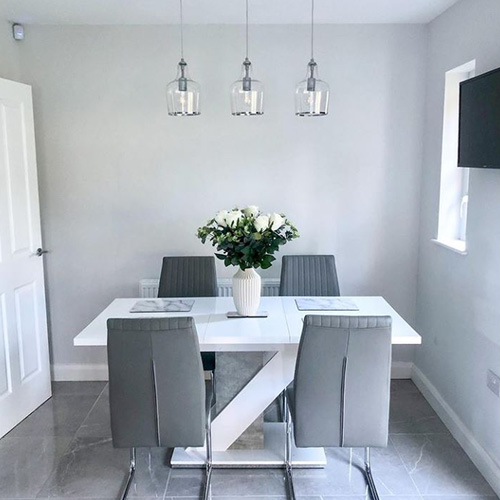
312	94
247	94
183	94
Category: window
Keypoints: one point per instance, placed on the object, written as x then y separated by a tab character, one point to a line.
454	192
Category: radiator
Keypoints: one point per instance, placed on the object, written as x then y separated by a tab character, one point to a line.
148	288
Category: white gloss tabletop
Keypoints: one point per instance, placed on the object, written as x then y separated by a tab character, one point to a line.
216	332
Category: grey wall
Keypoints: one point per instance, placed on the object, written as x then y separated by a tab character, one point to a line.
122	184
459	296
8	52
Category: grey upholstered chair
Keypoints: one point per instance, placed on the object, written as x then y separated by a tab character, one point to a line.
157	390
308	276
190	277
341	391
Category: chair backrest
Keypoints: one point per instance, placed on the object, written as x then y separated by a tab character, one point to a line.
188	277
342	381
156	384
308	276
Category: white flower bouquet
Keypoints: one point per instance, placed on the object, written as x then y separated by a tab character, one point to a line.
247	238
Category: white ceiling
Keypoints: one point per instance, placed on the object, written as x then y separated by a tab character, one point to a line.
222	11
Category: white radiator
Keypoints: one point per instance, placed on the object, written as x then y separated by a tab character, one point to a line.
148	288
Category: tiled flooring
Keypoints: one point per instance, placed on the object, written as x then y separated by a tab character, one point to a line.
64	450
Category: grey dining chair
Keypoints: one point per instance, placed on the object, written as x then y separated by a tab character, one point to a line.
341	391
308	276
190	277
158	396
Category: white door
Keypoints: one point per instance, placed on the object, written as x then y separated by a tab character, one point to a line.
24	354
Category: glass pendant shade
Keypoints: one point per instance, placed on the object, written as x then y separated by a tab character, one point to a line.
183	94
247	94
312	95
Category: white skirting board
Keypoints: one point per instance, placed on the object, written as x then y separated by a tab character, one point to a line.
79	372
90	372
479	456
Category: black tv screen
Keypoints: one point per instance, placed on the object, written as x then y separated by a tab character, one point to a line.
479	124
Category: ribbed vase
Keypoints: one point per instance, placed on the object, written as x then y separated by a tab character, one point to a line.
246	291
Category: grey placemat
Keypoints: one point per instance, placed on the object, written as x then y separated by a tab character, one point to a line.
162	305
329	304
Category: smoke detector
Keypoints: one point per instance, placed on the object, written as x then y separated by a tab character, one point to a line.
18	31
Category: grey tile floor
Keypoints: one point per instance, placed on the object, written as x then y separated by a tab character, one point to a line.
64	451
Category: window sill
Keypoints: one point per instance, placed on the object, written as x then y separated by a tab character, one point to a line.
457	246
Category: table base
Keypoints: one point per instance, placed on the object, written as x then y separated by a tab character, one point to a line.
271	456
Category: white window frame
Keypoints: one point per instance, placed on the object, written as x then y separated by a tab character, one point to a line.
454	187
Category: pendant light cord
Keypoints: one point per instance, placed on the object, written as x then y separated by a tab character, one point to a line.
246	55
312	29
182	32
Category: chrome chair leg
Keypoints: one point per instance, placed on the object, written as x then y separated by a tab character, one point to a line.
131	472
288	450
283	406
214	388
369	477
208	466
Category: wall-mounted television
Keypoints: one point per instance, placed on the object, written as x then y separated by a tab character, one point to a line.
479	122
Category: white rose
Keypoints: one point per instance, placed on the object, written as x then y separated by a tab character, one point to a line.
233	217
276	221
220	218
251	211
261	223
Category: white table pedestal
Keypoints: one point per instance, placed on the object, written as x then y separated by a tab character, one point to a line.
247	405
271	456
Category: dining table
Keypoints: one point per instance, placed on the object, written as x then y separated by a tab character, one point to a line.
277	334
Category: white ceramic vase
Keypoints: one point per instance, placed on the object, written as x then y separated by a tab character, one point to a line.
246	292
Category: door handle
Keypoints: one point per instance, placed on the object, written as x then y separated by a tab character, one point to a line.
40	252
